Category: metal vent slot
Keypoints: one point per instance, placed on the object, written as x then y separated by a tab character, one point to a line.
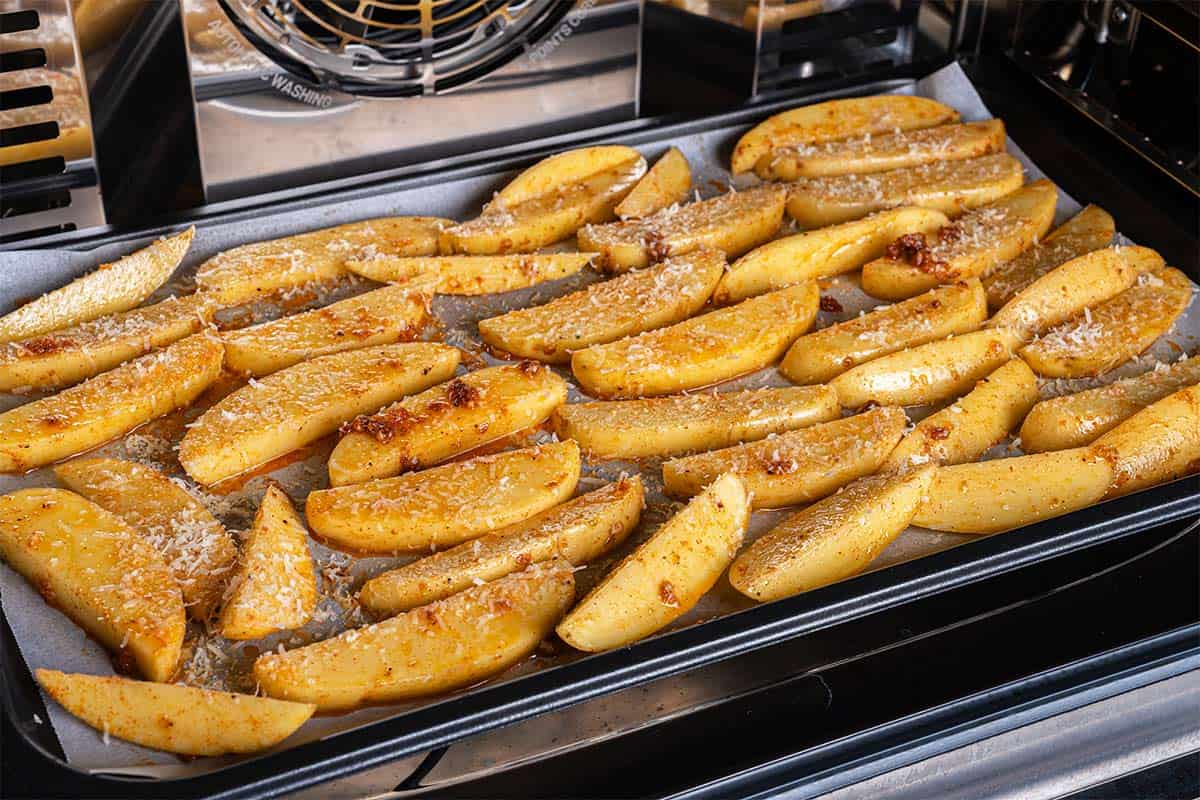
25	97
22	59
55	165
34	203
17	21
24	134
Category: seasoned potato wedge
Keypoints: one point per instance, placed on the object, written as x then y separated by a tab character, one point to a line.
833	538
550	174
927	373
733	223
471	275
965	430
112	288
178	719
446	505
382	316
577	531
1157	444
798	466
701	351
666	575
823	252
966	248
108	405
1114	332
446	420
666	183
70	355
638	301
951	187
671	426
945	311
297	406
1004	493
451	643
196	547
99	572
1075	420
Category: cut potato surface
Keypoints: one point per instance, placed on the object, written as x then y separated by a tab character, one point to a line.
666	575
550	175
445	505
701	351
576	531
444	645
297	406
666	183
471	275
98	571
1157	444
177	719
446	420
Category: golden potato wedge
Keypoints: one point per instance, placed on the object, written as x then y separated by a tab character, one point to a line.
666	575
965	430
1005	493
837	119
111	289
798	466
1090	229
382	316
1157	444
265	269
733	223
701	351
108	405
98	571
822	253
1114	332
196	547
577	531
446	420
671	426
952	187
550	174
445	505
471	275
176	718
444	645
1075	420
966	248
948	310
665	184
67	356
638	301
832	539
297	406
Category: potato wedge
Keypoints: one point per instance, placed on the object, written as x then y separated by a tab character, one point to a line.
666	575
445	505
297	406
837	119
948	310
671	426
832	539
1005	493
701	351
550	174
446	420
111	289
927	373
108	405
638	301
275	586
98	571
577	531
179	719
196	547
382	316
451	643
1114	332
1157	444
798	466
966	248
822	253
471	275
733	223
1090	229
965	430
666	183
951	187
69	355
1075	420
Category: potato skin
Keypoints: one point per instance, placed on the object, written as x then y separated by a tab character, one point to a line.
549	175
666	183
1157	444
